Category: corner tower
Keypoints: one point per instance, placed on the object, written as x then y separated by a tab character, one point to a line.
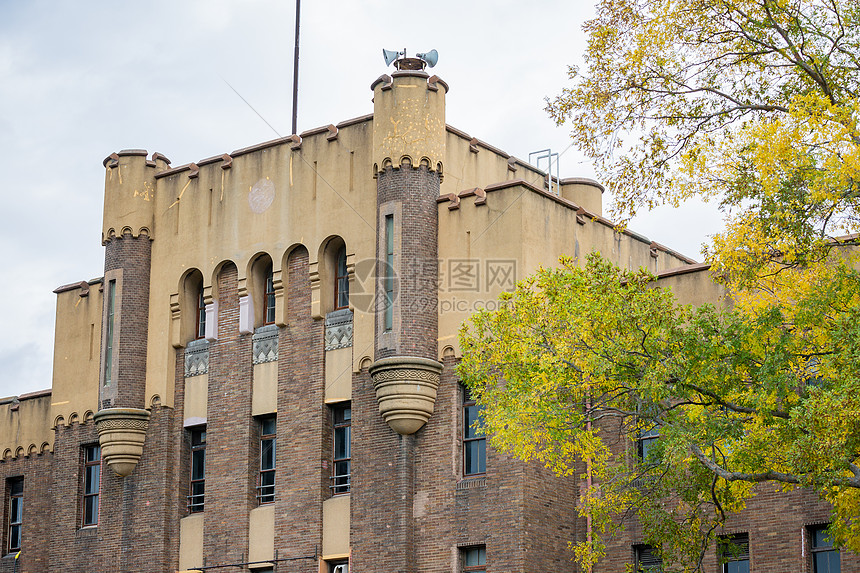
408	152
127	232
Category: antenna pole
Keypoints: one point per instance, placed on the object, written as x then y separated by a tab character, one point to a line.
296	69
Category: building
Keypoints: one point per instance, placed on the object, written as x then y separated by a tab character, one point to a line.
264	376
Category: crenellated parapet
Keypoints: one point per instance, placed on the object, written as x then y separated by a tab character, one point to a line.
409	120
130	193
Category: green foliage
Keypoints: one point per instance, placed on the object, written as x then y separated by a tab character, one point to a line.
579	360
753	103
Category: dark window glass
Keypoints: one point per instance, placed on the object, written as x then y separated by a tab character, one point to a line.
201	314
341	282
646	442
825	558
735	553
389	272
647	560
270	296
16	513
474	441
266	488
342	420
109	335
198	470
92	483
475	559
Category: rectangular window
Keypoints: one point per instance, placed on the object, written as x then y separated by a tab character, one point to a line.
16	513
341	281
198	469
475	559
825	558
109	335
92	485
201	314
266	487
735	553
270	296
474	441
646	442
389	272
342	420
647	560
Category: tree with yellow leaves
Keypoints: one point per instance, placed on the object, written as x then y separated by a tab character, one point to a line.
752	104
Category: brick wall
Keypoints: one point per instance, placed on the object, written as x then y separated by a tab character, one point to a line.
303	446
231	449
133	256
415	190
36	530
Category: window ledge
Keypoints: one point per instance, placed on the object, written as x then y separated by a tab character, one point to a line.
472	482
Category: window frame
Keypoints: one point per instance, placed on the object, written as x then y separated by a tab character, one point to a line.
640	552
388	319
341	417
646	440
15	498
265	490
727	557
200	329
816	550
196	434
481	551
341	279
471	436
95	466
269	296
109	332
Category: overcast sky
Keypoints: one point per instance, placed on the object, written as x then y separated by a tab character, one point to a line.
79	80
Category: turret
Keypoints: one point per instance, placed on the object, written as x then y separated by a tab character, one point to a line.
127	232
408	153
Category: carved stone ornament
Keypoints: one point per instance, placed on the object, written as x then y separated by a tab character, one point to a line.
265	344
122	432
338	329
196	358
406	391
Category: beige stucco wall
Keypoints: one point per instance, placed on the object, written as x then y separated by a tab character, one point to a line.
196	397
695	285
269	201
191	541
521	229
77	350
261	533
338	375
335	544
264	396
25	425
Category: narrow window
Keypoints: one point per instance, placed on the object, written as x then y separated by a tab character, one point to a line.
270	296
646	442
16	513
266	487
474	441
825	558
92	484
647	560
342	420
341	281
735	553
389	272
201	314
109	336
198	469
475	559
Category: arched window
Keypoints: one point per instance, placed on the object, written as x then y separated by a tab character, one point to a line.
341	281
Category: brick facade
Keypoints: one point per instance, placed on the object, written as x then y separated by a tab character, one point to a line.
411	508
